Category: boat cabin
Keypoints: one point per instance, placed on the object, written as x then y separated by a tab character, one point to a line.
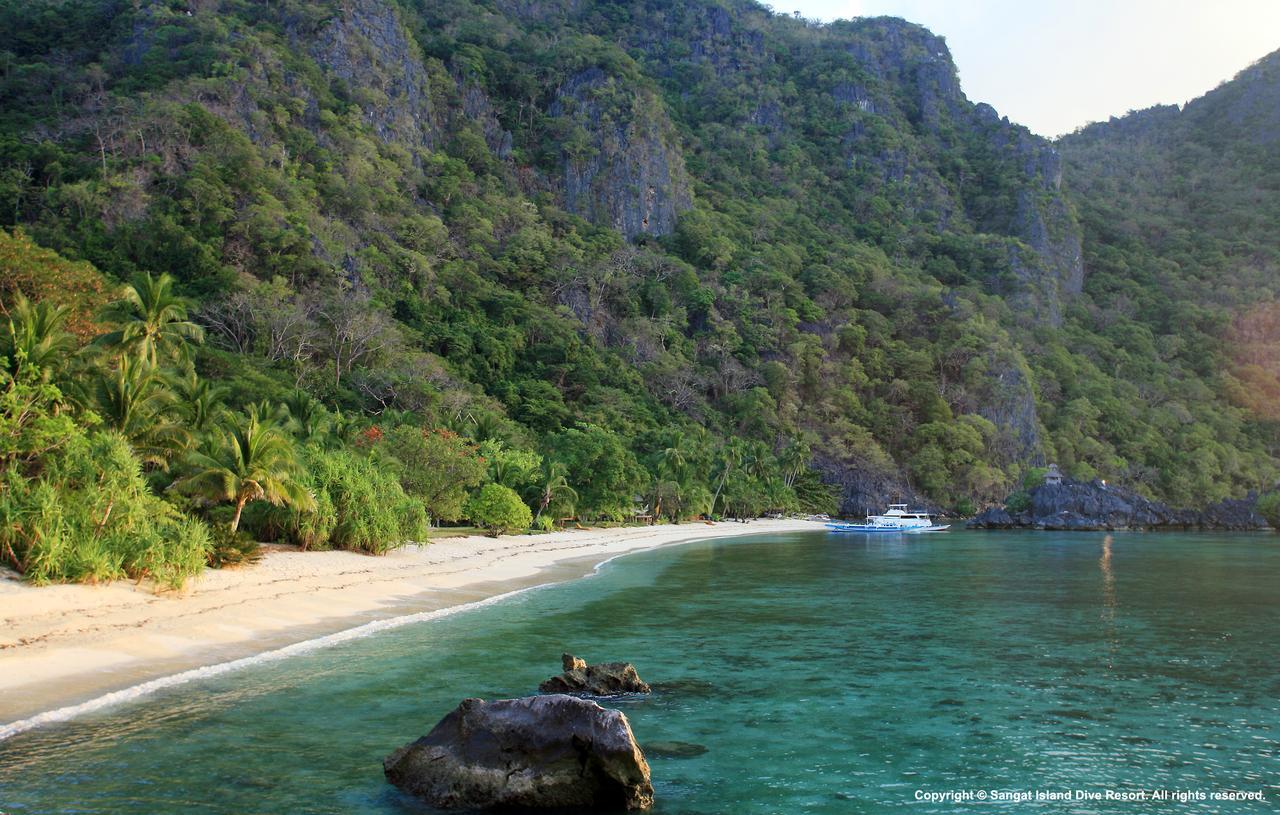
900	511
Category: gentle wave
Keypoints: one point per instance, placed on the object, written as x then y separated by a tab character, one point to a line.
69	712
63	714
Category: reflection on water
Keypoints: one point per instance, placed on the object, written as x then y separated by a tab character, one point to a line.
823	674
1108	601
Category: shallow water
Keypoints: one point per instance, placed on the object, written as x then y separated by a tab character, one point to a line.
822	673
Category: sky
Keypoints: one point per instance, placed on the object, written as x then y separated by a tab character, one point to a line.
1056	65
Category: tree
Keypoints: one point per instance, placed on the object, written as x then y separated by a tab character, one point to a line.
511	466
437	466
198	401
670	465
354	332
1269	508
307	417
134	399
153	321
554	486
34	337
32	418
731	455
603	472
255	462
44	276
498	509
794	459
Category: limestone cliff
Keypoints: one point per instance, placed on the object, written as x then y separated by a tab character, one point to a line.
366	48
624	168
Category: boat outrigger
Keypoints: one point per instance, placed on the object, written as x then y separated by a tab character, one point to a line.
897	519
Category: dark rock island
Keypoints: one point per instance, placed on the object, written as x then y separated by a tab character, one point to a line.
1064	504
538	752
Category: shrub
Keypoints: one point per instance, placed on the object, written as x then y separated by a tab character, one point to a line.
232	548
307	530
1020	501
370	511
1269	508
89	517
1034	477
498	509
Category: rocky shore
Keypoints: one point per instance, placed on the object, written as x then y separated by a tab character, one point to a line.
1095	505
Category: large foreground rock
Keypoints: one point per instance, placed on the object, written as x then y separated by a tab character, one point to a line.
537	752
605	679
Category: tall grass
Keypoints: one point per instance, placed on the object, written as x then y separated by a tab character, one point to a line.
360	505
89	517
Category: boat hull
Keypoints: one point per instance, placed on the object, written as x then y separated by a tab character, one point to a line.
881	530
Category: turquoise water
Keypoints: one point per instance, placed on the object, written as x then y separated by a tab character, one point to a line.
823	674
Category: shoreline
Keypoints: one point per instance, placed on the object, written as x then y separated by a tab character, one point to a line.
68	648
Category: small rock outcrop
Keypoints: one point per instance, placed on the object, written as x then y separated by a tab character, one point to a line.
538	752
605	679
1097	506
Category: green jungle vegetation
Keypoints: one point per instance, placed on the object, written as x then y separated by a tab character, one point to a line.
327	273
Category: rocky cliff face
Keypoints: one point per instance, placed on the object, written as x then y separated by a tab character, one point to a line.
865	489
913	85
626	170
366	47
1007	399
1043	221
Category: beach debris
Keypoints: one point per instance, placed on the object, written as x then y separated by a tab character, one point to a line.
604	679
536	752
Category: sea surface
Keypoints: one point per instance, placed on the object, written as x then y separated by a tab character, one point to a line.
821	673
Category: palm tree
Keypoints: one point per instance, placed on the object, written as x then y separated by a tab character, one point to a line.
664	489
731	455
254	462
133	399
670	466
34	338
555	483
306	415
270	414
153	320
341	431
672	459
198	402
795	457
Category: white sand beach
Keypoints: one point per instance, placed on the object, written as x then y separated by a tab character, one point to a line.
64	644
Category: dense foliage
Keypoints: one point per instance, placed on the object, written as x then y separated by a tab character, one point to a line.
659	259
498	509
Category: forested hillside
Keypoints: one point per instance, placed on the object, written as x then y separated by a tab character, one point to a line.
685	255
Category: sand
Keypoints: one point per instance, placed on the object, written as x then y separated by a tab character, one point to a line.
66	644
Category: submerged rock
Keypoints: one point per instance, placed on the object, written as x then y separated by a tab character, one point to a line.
605	679
674	749
537	752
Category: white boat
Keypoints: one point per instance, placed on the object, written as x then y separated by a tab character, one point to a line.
896	519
